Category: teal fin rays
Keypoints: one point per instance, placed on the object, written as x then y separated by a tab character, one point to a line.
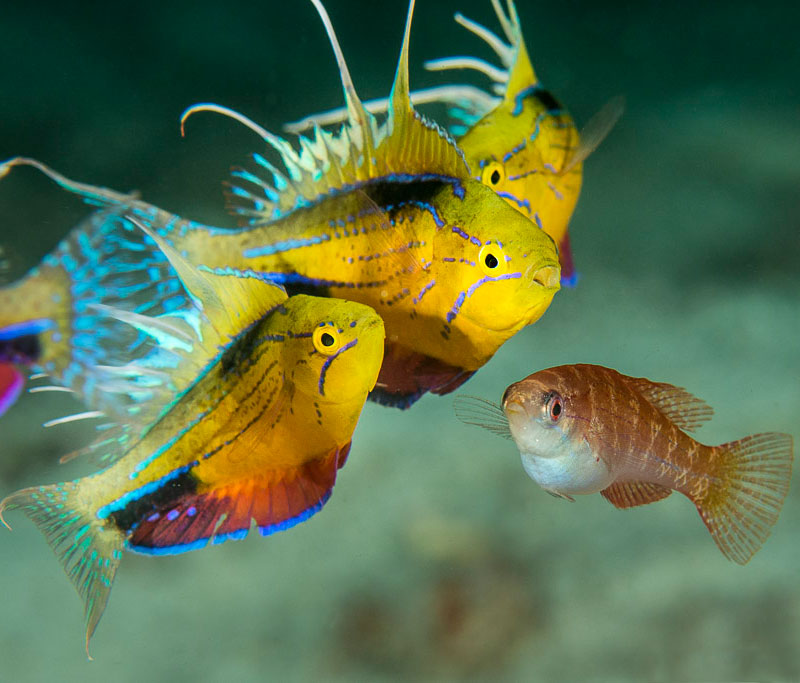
89	550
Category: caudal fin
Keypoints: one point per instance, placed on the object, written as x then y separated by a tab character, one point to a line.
742	510
88	549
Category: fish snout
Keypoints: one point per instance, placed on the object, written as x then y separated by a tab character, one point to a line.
514	401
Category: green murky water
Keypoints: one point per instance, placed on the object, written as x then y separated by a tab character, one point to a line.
437	557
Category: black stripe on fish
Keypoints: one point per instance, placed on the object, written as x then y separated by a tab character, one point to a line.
129	517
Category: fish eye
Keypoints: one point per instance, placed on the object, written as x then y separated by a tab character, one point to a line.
493	174
326	340
492	260
554	406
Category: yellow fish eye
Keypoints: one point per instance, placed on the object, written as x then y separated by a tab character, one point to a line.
492	260
493	174
326	340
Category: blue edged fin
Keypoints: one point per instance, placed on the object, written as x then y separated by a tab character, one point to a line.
88	549
274	500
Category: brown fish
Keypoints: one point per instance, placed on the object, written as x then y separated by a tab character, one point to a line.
586	428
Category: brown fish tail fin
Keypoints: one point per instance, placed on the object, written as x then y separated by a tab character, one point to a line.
741	511
88	548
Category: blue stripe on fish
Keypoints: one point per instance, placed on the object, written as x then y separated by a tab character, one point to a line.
328	362
463	296
286	245
523	203
26	328
142	491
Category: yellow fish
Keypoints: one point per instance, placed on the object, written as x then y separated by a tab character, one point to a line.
518	139
256	437
584	429
385	215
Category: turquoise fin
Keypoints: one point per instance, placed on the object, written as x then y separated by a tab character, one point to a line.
88	549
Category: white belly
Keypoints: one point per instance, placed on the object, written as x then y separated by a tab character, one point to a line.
570	473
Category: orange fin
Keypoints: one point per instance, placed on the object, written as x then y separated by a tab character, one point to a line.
275	501
632	493
741	511
686	411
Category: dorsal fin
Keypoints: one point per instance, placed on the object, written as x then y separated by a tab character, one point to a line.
684	409
230	304
405	147
355	109
466	104
521	75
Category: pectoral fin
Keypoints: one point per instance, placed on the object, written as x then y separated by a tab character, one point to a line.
556	494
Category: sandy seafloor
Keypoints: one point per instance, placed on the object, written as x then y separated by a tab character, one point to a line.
437	558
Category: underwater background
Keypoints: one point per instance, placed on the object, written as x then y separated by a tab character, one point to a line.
437	557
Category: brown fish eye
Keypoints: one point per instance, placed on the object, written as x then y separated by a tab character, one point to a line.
326	340
492	260
555	407
493	174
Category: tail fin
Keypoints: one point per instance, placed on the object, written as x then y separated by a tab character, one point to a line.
50	320
88	548
741	512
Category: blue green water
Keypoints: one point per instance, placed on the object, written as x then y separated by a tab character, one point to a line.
437	557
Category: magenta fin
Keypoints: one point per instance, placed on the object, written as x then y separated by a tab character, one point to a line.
569	276
11	383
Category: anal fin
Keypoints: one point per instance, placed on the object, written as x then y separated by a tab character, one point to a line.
632	493
11	383
275	501
406	376
569	276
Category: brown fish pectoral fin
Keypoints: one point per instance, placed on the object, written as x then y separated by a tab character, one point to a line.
632	493
556	494
741	510
275	501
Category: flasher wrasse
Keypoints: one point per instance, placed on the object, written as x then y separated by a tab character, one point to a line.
256	438
584	429
517	139
385	215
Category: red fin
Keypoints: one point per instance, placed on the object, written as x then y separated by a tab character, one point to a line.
677	404
754	480
11	383
569	278
406	376
275	501
633	493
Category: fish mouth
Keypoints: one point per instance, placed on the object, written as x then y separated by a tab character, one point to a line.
547	276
